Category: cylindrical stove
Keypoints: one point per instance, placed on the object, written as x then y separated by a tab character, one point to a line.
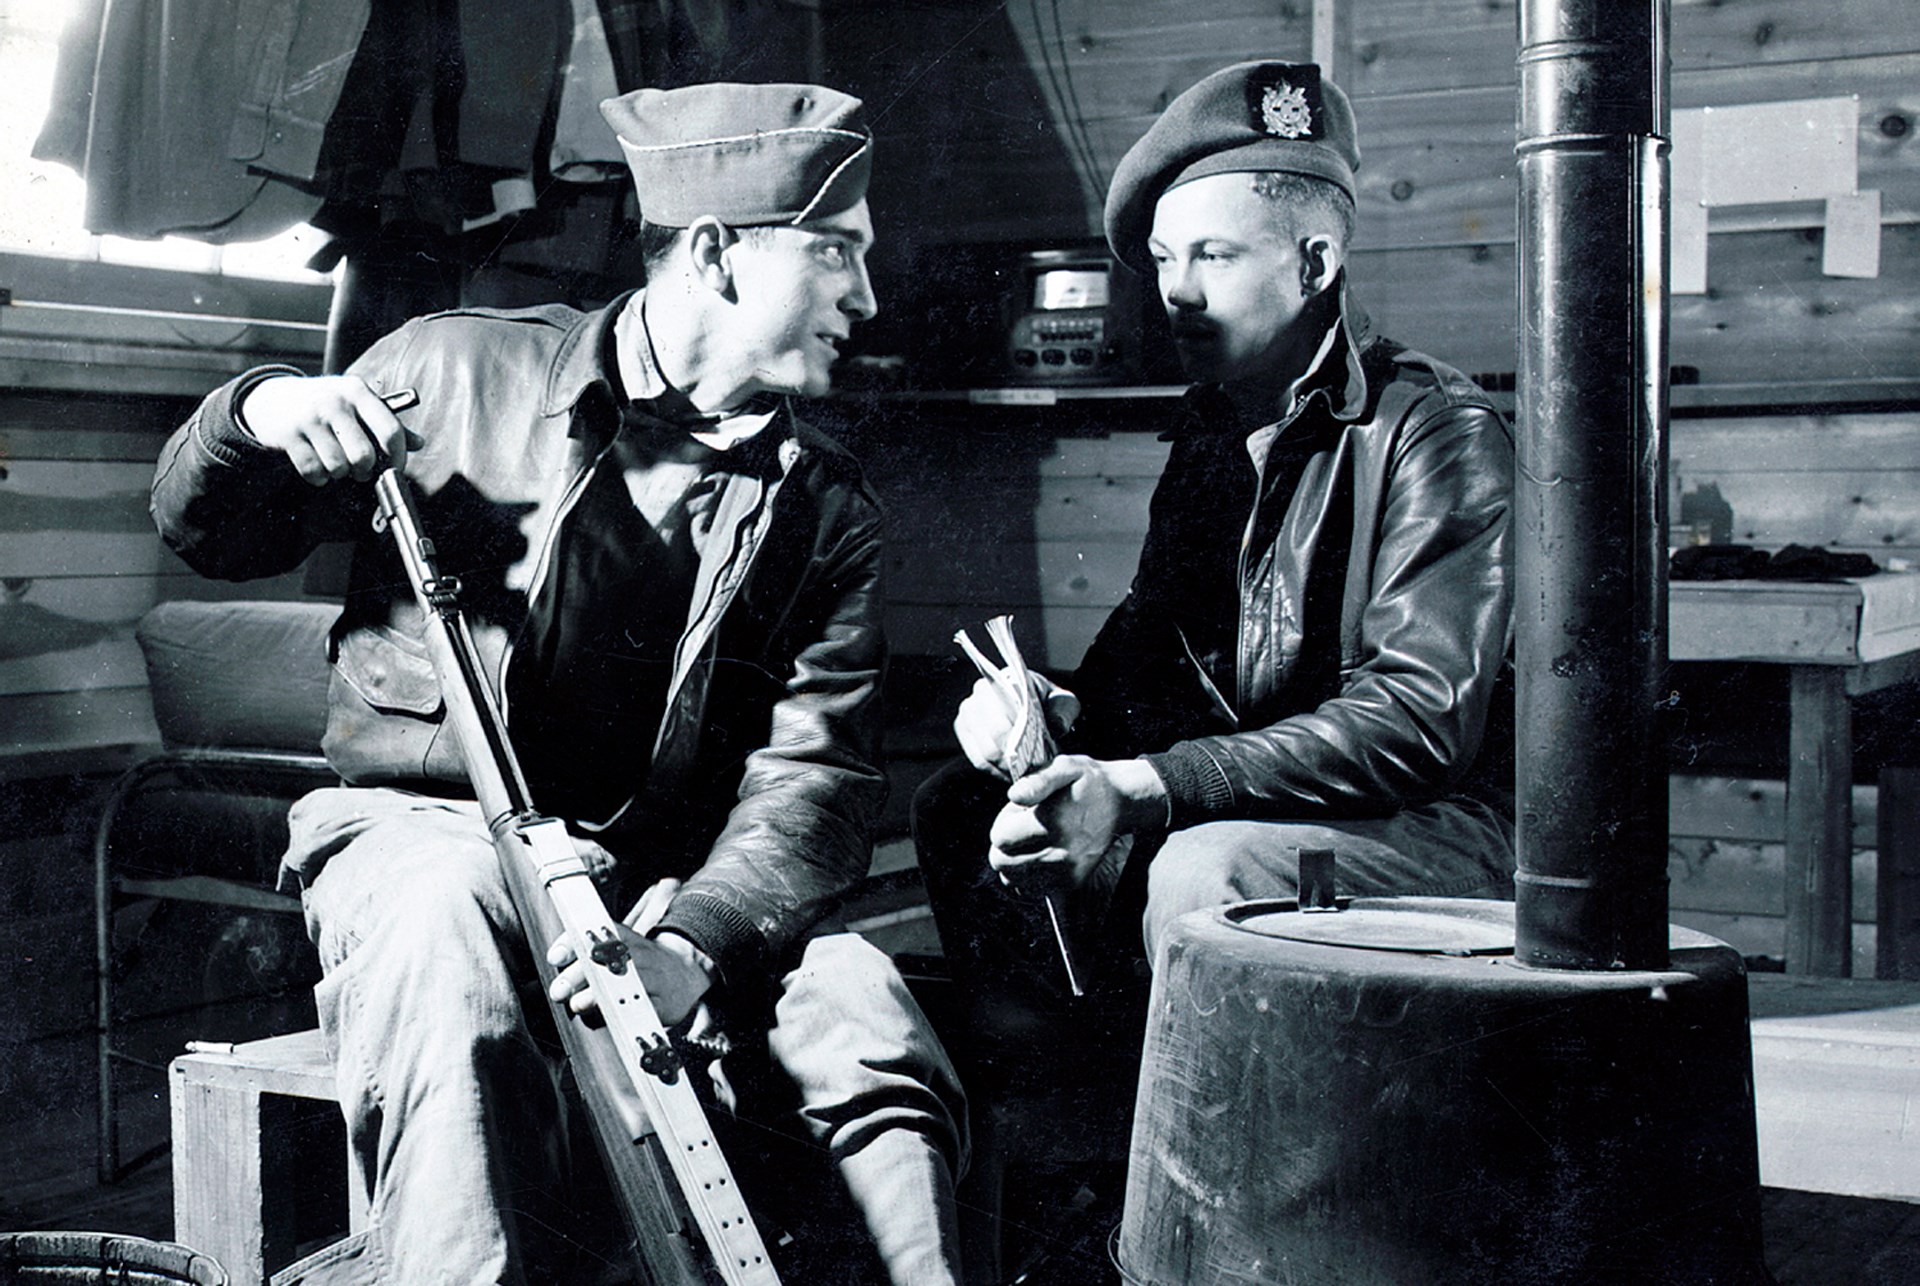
1381	1094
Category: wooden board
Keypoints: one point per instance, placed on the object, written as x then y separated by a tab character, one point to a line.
37	278
1744	878
1797	445
75	427
1750	810
1842	481
1772	315
1824	624
109	329
1403	45
1860	511
23	320
1815	624
57	721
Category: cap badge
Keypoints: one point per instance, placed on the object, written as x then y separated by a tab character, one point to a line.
1284	110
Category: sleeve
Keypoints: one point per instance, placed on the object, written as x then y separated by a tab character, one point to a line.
235	510
800	834
1408	719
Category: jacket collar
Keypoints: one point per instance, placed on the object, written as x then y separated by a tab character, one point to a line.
579	367
579	364
1336	375
1349	395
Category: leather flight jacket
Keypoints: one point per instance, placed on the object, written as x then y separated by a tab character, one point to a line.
1324	633
763	783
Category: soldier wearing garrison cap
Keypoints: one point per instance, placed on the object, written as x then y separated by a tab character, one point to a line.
673	585
1313	652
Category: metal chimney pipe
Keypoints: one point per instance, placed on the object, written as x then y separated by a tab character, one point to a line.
1590	616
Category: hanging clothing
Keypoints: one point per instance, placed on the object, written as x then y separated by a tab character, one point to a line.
231	120
178	113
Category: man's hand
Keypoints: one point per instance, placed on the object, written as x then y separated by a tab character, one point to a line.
328	426
1060	820
675	973
982	725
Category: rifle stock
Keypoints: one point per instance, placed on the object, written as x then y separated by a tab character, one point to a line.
644	1111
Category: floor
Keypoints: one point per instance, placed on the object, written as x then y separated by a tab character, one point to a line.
47	1181
1058	1223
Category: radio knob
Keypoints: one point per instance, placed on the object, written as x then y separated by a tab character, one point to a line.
1053	357
1025	357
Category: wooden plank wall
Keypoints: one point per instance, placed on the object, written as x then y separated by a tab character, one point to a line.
98	362
1008	512
1003	125
1726	864
79	564
1845	481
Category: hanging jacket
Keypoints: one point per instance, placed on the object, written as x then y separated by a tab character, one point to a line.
233	120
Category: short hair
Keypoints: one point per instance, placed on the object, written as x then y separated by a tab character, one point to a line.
1303	204
657	243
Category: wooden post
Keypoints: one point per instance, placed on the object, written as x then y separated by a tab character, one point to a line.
1820	824
1332	38
1897	877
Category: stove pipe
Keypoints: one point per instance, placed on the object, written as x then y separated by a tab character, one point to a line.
1590	613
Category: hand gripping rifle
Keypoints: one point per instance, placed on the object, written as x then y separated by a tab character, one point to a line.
552	892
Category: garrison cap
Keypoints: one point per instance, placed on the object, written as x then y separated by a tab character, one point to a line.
1250	117
748	155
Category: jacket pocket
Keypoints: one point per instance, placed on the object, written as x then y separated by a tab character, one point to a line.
389	671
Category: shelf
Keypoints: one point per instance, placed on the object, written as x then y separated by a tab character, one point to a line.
1683	399
1022	395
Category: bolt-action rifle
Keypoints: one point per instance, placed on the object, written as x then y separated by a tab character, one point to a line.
641	1102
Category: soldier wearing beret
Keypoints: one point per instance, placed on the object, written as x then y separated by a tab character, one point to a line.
1312	654
673	585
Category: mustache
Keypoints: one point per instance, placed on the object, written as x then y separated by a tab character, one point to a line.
1191	326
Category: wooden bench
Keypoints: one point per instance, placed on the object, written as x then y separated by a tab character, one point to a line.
252	1124
1836	1078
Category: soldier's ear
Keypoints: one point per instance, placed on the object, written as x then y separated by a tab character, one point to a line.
708	241
1319	263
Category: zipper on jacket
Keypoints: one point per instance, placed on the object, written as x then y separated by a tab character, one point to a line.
1243	652
747	539
1212	689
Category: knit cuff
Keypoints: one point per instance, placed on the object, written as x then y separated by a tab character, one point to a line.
226	435
720	929
1197	788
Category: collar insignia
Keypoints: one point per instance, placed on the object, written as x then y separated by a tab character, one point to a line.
1284	111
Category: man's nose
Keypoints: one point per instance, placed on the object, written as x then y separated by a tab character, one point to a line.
1181	290
861	303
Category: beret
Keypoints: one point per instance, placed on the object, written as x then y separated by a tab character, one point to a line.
1250	117
746	154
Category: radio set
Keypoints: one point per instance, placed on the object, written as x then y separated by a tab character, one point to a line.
1065	329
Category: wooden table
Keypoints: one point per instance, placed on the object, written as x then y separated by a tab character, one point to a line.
1837	639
